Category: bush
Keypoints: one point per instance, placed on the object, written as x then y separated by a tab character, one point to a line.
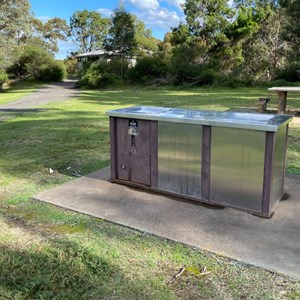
148	68
279	82
3	79
97	75
290	73
37	63
71	67
53	71
118	67
231	81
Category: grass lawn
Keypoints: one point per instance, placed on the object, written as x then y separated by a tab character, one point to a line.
50	253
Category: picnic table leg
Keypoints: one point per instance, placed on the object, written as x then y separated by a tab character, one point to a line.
282	96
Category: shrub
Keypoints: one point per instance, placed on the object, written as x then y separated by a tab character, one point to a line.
188	65
34	59
290	73
278	82
97	75
231	81
37	63
148	68
3	79
53	71
71	67
118	67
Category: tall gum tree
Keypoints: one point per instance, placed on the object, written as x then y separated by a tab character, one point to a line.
121	41
49	33
292	28
15	21
88	29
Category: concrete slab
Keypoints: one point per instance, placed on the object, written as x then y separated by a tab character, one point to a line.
273	243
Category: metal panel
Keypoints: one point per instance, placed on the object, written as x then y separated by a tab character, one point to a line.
237	167
179	158
278	165
268	171
231	119
153	153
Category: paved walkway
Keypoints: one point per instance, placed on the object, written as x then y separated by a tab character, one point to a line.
273	243
48	93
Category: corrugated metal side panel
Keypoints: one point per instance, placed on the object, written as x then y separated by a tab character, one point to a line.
237	167
179	158
278	165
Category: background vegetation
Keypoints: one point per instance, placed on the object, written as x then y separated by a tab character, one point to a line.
245	43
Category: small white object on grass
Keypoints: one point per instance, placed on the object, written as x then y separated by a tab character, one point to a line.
51	171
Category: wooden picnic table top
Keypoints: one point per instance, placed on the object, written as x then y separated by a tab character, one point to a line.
285	89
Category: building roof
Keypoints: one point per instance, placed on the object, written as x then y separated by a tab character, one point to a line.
99	52
102	52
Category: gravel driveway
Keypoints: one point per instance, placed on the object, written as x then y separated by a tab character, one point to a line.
50	92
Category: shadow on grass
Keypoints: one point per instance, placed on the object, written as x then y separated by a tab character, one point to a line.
62	270
8	113
54	266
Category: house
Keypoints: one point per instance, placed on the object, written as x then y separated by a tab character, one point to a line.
98	55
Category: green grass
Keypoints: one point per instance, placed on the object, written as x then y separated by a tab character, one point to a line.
50	253
17	91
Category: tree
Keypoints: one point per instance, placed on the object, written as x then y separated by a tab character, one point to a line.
143	37
207	20
292	26
15	18
181	35
242	39
121	40
207	28
258	28
88	29
47	34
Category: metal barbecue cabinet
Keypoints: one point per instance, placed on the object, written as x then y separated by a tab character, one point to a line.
226	158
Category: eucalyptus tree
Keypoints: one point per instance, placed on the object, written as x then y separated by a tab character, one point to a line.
15	21
49	33
261	23
143	36
292	26
89	29
202	45
15	17
120	41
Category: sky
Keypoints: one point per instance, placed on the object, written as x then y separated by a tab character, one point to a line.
158	15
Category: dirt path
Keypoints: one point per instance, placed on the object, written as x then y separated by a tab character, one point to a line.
48	93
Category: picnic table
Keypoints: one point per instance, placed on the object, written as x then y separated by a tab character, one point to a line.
282	96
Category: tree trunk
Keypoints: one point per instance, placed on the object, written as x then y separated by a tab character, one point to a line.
282	96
